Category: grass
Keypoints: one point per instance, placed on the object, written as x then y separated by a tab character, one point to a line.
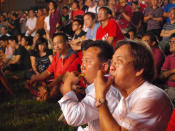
21	112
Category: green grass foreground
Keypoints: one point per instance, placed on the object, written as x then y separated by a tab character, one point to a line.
21	112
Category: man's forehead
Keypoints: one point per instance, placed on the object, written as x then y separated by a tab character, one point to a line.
122	51
92	51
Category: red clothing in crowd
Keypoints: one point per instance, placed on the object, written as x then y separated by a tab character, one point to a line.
54	19
124	23
169	64
111	29
76	13
60	66
171	124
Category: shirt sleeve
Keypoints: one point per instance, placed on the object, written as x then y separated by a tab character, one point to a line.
78	113
166	64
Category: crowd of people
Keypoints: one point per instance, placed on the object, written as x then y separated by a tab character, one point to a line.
109	63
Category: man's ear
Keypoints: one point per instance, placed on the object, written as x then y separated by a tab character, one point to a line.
105	67
140	72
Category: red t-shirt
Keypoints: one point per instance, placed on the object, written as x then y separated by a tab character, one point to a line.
111	29
168	65
171	124
76	13
124	23
60	66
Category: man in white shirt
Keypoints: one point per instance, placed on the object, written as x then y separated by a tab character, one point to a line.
82	112
143	106
31	24
92	6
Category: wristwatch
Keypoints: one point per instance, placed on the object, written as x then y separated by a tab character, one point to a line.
99	102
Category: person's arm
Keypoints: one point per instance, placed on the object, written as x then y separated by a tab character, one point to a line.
165	14
33	61
16	60
160	19
76	113
107	121
146	18
50	58
128	18
166	74
110	39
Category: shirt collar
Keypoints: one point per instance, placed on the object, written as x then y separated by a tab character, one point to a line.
69	53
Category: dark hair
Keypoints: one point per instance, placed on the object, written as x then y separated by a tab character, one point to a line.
41	32
143	58
40	41
108	10
62	35
106	49
85	44
15	15
4	38
152	37
80	22
13	38
92	15
77	2
173	35
65	7
26	38
54	3
5	27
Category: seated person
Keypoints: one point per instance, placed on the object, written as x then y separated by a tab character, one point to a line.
167	30
95	56
4	31
91	24
25	42
79	35
151	41
21	60
143	106
60	64
41	57
168	69
109	29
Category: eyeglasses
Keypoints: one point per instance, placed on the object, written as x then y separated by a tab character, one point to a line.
171	42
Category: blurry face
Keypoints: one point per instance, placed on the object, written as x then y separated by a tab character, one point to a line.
147	40
122	68
154	2
172	45
23	42
3	31
74	5
102	15
111	2
59	44
39	13
172	14
31	13
122	2
88	22
131	35
42	47
75	26
101	3
12	43
90	64
89	3
51	6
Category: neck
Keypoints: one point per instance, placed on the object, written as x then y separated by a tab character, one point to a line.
64	53
104	23
154	6
126	91
92	27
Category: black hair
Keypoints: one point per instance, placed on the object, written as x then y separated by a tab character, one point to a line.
92	15
108	10
54	3
4	38
106	49
40	41
26	38
152	37
80	22
65	7
77	2
173	35
142	58
85	44
5	27
62	35
13	38
41	32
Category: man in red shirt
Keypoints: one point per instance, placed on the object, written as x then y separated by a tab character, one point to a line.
109	29
61	62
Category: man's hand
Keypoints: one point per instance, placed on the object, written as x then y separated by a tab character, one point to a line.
71	79
102	85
